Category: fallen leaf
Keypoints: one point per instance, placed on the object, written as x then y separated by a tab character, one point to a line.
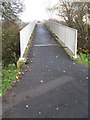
14	82
25	70
56	56
31	61
19	73
16	77
22	73
14	95
41	81
33	54
39	113
19	77
57	108
27	106
64	71
0	94
26	97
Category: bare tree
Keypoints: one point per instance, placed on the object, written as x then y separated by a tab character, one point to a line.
11	10
69	11
75	14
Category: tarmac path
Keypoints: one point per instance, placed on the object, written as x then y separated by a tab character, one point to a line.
53	86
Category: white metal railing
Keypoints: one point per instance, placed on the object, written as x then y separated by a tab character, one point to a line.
25	35
66	34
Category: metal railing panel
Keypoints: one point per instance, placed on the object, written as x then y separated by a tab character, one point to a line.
25	35
66	34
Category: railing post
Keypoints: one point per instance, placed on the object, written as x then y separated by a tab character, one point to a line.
21	52
75	45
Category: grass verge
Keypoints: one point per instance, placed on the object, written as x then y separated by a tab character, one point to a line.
83	59
9	75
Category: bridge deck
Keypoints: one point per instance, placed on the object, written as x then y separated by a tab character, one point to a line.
52	86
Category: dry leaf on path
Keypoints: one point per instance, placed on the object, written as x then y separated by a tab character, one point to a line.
56	56
22	73
41	81
57	108
25	70
39	113
64	71
27	106
19	73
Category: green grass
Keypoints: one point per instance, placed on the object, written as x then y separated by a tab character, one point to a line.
8	77
84	59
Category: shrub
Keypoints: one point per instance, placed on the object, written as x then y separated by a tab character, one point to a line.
84	58
83	40
10	43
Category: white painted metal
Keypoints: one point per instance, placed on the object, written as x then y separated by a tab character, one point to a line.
66	34
25	35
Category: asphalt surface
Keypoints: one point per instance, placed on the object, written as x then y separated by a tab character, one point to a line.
53	86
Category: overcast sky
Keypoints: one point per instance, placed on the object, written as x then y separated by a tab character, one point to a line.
37	9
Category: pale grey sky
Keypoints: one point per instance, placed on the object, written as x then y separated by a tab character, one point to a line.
36	9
